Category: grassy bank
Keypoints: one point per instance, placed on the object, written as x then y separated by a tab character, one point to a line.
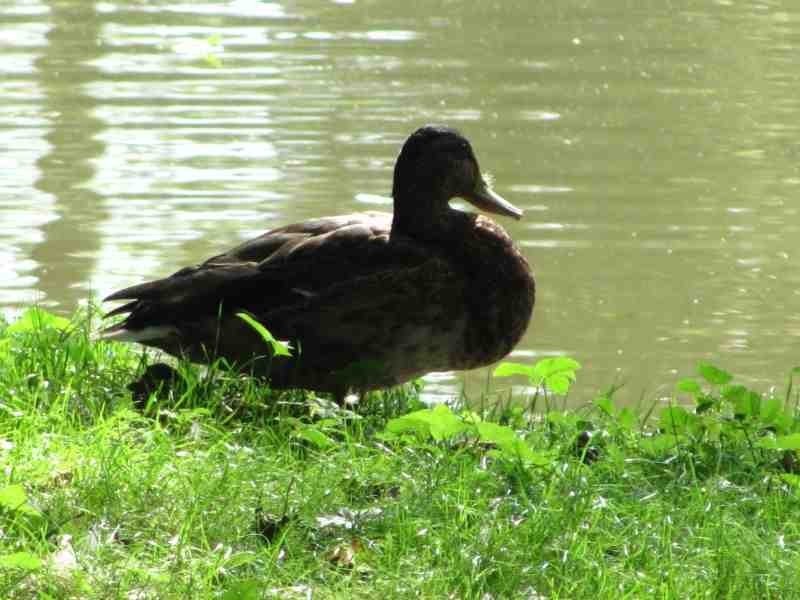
219	489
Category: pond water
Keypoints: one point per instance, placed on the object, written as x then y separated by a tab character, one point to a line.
654	146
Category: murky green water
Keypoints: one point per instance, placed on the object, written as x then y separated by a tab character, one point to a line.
653	145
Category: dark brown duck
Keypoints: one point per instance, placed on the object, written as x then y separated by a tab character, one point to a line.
367	300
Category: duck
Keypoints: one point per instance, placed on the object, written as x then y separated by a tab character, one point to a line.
367	300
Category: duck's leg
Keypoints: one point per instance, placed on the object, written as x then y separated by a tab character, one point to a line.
339	393
347	396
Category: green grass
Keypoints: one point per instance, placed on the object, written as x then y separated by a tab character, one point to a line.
219	488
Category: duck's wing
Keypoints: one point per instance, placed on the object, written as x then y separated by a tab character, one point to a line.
307	266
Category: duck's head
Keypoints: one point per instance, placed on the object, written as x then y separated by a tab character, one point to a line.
436	165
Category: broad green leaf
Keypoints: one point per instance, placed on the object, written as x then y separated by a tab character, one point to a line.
783	422
278	348
564	419
439	423
13	496
676	419
315	437
746	403
713	374
507	369
37	318
771	410
443	423
792	480
712	428
20	560
556	373
733	393
688	385
510	445
659	444
529	457
470	416
556	364
386	436
496	434
782	442
558	383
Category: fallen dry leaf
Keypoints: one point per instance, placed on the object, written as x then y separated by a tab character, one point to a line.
64	561
344	554
348	519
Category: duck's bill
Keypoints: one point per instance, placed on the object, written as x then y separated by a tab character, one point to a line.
485	198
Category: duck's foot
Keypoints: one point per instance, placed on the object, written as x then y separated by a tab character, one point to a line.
156	378
347	397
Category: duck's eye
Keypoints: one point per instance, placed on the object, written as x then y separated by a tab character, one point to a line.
461	151
469	170
461	174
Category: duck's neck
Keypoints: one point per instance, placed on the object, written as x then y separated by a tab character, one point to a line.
422	216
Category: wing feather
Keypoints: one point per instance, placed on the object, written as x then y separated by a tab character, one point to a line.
285	268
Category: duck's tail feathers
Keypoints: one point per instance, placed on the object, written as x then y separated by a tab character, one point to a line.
155	309
161	287
119	333
121	310
206	279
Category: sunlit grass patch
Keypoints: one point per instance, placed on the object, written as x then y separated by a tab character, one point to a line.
216	486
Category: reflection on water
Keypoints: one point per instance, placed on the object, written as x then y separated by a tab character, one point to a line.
65	255
654	151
